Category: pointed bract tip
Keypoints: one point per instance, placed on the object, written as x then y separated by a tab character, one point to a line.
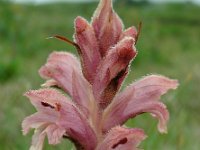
80	24
176	84
162	129
127	50
27	94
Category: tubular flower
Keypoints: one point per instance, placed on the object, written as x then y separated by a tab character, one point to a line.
88	108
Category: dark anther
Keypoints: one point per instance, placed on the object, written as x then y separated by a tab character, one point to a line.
47	105
122	141
58	106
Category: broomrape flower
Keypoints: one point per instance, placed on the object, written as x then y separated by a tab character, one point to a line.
93	111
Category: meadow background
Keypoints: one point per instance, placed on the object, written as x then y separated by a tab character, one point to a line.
169	44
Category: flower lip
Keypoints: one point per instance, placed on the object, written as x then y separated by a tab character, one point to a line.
140	97
80	24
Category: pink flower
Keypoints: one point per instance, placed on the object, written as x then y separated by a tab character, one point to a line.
89	109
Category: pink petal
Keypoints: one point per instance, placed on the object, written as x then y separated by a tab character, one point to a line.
112	70
89	49
65	71
38	139
38	119
69	116
149	86
44	124
50	83
120	138
78	128
138	98
47	99
54	134
131	32
107	25
82	95
59	67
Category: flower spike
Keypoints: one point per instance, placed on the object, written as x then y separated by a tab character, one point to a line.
88	108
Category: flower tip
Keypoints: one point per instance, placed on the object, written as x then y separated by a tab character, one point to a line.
30	93
24	128
141	134
130	32
128	49
162	129
173	84
128	41
27	94
49	83
176	84
43	71
80	24
24	132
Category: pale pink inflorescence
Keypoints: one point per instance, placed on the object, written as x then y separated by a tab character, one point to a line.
87	108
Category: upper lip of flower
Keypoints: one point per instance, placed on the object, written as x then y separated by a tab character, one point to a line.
106	52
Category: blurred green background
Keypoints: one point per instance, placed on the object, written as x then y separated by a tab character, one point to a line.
169	44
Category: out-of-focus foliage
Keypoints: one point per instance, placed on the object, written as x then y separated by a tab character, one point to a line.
168	44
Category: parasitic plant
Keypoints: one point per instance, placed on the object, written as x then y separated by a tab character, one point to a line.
88	108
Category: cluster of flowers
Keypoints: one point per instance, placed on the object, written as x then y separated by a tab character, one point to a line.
87	107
